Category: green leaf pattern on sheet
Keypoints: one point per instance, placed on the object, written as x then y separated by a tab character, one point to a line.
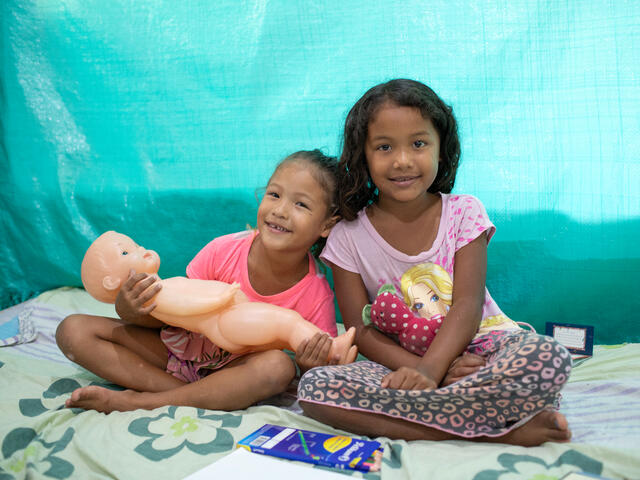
50	399
528	467
32	407
184	427
24	447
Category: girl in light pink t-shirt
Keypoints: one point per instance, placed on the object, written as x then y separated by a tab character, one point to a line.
409	262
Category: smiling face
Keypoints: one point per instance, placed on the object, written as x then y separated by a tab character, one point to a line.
403	152
426	302
294	210
107	263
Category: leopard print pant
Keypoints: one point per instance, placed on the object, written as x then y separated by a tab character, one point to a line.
523	375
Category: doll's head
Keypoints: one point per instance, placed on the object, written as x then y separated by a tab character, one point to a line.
108	261
427	289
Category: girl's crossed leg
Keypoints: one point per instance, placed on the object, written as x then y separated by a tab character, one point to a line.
510	400
135	357
546	426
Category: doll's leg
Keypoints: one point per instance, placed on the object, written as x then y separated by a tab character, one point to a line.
238	385
253	326
124	354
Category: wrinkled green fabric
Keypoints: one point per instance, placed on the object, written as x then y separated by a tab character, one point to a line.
162	120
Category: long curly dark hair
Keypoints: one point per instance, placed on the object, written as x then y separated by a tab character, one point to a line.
325	171
355	190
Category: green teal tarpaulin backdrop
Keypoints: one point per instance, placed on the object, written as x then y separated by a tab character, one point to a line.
162	119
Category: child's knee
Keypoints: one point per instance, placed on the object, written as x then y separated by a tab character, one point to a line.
560	356
70	331
276	370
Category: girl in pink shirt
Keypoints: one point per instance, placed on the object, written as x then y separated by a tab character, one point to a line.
171	366
412	258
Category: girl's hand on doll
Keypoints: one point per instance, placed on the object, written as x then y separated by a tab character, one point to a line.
314	352
464	365
135	293
407	378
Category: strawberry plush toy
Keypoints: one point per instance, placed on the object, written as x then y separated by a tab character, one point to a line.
391	315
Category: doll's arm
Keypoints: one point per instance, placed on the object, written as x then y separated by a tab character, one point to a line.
465	314
352	297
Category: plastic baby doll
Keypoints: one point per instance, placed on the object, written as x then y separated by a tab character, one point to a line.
218	310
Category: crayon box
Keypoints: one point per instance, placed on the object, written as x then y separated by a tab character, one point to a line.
337	451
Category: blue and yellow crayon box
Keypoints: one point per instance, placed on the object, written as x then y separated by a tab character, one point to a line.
336	451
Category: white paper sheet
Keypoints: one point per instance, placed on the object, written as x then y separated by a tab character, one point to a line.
244	464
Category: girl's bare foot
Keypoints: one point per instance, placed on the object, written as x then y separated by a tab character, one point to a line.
103	400
343	347
546	426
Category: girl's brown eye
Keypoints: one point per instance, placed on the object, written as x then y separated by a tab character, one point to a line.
125	253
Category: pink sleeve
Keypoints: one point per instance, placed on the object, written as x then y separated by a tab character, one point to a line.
203	264
471	220
337	250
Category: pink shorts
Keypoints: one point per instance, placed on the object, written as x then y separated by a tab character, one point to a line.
192	356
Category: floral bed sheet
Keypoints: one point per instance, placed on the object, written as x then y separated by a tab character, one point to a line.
41	439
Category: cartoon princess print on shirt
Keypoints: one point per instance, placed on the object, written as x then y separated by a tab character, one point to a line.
427	289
